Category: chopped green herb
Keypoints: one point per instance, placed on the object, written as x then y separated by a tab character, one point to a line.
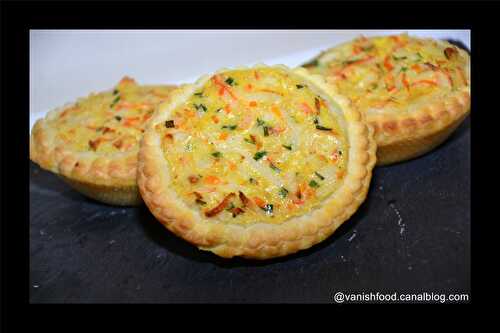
368	48
419	56
115	92
398	58
317	104
340	152
266	131
268	208
231	127
218	110
251	139
349	62
230	81
319	176
200	202
313	184
312	63
283	192
199	94
403	69
274	167
231	207
217	154
258	155
289	147
260	122
316	121
252	181
322	128
118	118
115	101
200	106
189	147
374	86
169	124
299	86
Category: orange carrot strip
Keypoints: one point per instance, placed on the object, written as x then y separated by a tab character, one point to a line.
146	116
252	103
405	82
276	111
432	83
223	87
356	49
306	108
277	130
259	202
417	68
387	64
232	166
125	105
212	180
298	201
389	81
341	72
220	207
130	121
271	91
189	113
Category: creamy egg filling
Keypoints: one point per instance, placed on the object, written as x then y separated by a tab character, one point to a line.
395	73
255	146
109	122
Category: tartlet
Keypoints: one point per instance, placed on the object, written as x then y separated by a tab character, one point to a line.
93	143
255	162
414	92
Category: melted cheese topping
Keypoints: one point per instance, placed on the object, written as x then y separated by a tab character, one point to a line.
254	146
111	121
394	73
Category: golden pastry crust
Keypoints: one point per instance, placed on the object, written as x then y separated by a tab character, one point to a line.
107	176
414	92
256	240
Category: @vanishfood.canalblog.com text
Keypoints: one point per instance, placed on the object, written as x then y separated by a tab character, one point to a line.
376	297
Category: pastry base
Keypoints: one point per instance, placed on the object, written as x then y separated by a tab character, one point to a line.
411	148
112	195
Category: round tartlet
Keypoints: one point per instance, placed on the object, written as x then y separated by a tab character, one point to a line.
415	92
93	143
255	162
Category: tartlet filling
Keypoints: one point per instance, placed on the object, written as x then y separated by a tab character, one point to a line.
394	73
109	122
257	145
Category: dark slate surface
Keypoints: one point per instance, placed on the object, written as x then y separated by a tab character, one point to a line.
412	234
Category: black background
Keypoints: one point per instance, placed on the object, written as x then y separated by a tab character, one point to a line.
16	226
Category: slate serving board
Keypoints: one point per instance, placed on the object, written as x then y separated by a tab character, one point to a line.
412	234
